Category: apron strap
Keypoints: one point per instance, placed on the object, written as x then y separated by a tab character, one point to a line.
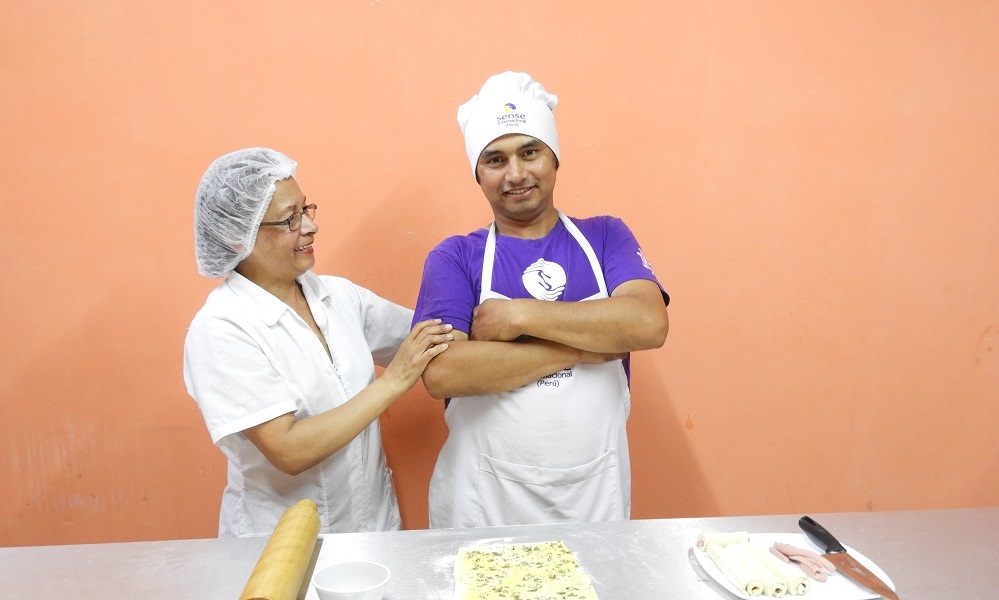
487	264
588	249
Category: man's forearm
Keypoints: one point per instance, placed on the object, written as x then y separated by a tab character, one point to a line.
624	324
473	368
633	318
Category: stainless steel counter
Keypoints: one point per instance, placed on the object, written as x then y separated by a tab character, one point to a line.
930	555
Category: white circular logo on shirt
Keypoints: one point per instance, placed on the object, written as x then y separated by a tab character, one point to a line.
544	280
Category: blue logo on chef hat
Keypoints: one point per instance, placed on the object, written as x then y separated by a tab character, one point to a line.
510	117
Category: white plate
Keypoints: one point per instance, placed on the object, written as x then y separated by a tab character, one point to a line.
838	587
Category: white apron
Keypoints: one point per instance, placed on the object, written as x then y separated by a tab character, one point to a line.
554	450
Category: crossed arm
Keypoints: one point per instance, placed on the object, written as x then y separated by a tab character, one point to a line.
514	342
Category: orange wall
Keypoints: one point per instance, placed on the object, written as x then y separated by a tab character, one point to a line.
815	183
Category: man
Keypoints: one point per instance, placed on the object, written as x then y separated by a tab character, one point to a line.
545	310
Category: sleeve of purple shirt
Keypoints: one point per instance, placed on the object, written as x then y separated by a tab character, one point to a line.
618	251
452	276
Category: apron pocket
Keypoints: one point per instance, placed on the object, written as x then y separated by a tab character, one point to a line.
515	494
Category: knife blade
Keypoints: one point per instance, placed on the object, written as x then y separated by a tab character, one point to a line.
846	564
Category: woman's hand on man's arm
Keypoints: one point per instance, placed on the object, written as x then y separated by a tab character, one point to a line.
295	445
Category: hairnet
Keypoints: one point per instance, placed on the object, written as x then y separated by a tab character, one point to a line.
232	198
509	102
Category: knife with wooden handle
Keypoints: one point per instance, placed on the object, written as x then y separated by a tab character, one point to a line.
846	564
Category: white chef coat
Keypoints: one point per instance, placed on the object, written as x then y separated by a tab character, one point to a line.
554	450
250	358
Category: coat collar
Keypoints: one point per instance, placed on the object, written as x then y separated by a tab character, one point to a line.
266	304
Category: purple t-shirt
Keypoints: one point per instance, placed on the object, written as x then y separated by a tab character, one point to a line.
554	267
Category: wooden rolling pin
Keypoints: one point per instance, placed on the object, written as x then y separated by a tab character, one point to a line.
281	567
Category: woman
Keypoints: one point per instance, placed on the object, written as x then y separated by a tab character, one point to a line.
281	361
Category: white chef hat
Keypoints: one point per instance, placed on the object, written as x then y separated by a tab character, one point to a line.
232	198
507	103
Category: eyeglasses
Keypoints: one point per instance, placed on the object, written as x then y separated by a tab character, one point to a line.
294	222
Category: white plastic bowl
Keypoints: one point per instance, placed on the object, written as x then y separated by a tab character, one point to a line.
352	581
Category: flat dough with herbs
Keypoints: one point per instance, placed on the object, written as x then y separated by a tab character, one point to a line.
541	571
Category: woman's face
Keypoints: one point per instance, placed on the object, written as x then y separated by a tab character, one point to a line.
280	255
